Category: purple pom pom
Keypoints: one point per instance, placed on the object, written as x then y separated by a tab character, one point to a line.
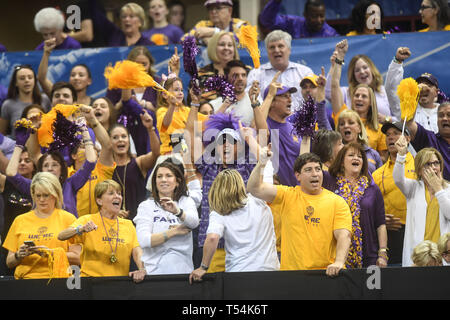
190	52
442	97
222	87
123	120
304	120
65	134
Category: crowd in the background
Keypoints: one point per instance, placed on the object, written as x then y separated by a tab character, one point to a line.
259	176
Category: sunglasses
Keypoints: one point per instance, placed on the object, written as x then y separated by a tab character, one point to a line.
425	7
22	66
226	138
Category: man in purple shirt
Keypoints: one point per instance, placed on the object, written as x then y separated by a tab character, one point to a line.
285	144
422	138
311	25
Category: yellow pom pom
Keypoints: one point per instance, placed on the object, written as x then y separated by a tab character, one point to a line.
58	264
159	39
408	93
45	132
248	39
25	123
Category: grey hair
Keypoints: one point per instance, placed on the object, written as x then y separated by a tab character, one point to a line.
277	35
49	18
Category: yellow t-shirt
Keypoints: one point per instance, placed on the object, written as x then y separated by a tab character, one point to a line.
394	200
446	28
432	227
96	253
85	196
43	232
275	208
307	225
179	119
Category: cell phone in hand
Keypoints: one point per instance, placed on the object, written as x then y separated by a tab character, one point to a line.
29	243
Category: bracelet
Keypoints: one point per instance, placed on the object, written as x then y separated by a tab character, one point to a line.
397	61
197	105
189	170
78	230
193	176
179	214
338	61
165	236
256	104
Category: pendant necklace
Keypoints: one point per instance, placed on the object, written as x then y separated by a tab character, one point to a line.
113	257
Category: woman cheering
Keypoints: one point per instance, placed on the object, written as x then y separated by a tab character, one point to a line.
349	178
164	223
108	242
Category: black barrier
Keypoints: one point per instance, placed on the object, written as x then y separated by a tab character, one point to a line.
366	284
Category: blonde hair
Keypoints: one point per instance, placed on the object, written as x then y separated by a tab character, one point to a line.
212	46
426	254
227	192
377	79
138	11
352	114
422	157
372	115
442	243
48	182
102	187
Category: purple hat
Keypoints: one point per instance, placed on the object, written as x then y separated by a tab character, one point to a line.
283	90
212	2
428	77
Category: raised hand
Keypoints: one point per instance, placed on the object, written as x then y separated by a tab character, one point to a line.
402	54
402	145
341	49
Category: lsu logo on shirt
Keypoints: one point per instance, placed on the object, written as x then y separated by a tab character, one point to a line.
309	216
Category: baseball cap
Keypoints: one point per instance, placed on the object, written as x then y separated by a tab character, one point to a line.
212	2
280	91
397	125
312	78
429	78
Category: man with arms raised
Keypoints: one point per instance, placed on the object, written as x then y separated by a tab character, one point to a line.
316	223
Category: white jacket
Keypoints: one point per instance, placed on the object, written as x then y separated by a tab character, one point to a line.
416	210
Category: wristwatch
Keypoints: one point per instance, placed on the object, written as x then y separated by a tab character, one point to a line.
204	267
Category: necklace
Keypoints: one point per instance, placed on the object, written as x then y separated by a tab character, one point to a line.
123	185
113	257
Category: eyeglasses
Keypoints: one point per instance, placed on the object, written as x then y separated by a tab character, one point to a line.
44	196
218	8
422	8
432	164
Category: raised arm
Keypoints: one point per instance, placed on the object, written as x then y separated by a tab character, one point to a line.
147	161
46	84
405	185
337	99
106	154
256	185
193	134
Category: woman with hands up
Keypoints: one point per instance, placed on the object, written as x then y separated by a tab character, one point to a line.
427	198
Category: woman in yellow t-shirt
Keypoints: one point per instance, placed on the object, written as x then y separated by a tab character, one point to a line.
108	242
435	14
172	114
33	235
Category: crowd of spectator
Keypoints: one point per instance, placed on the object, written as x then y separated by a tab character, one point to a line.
140	182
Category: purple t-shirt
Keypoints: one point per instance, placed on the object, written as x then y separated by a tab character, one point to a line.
70	187
285	148
425	138
294	25
163	36
68	43
371	217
